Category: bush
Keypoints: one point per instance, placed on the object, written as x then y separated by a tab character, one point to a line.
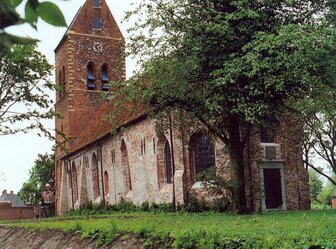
195	205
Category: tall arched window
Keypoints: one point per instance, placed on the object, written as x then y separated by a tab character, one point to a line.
124	161
83	194
168	163
90	77
203	153
106	183
105	79
95	176
74	181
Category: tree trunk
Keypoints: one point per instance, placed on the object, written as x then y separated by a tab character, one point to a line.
236	151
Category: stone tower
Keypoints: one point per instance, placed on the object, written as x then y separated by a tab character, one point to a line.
89	56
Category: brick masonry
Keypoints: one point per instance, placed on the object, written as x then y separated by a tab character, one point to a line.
130	165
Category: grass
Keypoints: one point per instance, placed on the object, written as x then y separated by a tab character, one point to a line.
298	229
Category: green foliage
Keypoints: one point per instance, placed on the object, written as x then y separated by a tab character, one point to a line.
194	205
315	185
40	175
108	235
24	83
34	9
296	230
122	207
326	195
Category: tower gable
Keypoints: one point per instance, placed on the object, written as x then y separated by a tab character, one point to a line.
95	18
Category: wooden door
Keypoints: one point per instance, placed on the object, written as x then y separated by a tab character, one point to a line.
272	186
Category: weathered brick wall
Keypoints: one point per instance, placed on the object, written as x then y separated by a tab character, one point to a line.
148	175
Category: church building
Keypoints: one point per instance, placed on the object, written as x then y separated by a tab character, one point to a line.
139	163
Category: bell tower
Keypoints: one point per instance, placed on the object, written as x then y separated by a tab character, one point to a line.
89	56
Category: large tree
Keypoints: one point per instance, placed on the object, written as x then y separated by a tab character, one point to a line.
24	90
232	64
319	115
42	174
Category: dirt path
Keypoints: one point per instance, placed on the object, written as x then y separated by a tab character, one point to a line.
19	238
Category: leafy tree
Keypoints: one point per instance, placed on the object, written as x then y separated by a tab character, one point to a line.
24	80
34	9
232	65
315	185
41	174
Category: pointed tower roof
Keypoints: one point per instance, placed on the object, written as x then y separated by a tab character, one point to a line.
93	18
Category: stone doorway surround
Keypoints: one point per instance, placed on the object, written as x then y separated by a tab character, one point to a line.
272	165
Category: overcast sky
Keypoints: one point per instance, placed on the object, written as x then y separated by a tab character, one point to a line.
18	152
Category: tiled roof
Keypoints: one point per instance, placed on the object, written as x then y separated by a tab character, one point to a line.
14	200
101	125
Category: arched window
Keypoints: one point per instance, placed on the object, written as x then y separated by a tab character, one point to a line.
204	153
97	23
168	163
124	161
90	77
95	177
105	79
106	183
74	181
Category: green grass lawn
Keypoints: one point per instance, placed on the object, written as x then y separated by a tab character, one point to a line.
209	230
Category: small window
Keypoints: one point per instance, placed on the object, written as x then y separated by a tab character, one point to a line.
97	23
96	3
90	77
105	79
